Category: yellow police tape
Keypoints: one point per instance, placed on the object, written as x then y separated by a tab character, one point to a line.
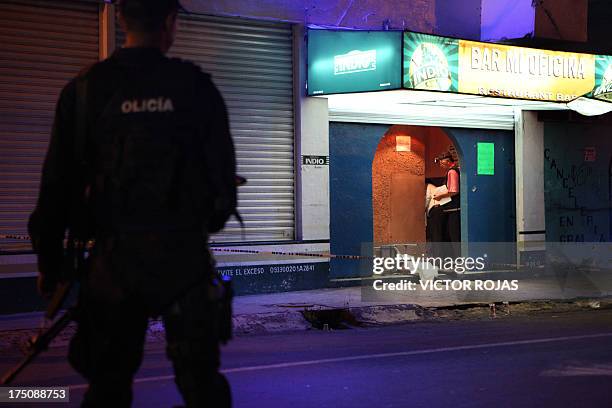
236	251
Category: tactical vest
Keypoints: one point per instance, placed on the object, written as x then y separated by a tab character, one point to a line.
146	140
149	184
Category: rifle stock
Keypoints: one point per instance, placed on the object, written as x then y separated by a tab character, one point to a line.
74	261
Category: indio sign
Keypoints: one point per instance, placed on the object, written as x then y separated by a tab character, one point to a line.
454	65
355	61
603	78
345	61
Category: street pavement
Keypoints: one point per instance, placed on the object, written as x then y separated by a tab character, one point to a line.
544	360
278	312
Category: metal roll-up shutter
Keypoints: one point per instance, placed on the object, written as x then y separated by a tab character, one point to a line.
251	62
43	44
426	115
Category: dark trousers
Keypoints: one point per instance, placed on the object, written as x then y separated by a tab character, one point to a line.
444	232
107	350
435	225
453	232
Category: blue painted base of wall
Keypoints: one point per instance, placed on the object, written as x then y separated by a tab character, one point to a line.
253	279
351	150
488	205
20	296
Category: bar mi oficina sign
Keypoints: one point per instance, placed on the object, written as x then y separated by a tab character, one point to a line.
357	61
454	65
513	72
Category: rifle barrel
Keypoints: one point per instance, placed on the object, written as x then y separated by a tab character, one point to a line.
40	343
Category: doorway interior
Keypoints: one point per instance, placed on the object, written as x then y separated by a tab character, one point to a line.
402	167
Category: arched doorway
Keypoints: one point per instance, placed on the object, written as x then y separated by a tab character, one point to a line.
402	166
488	205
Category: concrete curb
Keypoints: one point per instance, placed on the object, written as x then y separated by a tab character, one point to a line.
332	318
396	314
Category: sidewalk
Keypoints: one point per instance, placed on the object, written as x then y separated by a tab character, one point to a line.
284	311
276	312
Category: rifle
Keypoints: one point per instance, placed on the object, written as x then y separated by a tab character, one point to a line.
38	344
73	264
75	254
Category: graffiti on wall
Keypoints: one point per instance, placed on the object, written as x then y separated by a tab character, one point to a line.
576	187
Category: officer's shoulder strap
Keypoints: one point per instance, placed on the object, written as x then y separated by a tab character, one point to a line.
82	106
86	69
189	68
77	223
81	117
185	64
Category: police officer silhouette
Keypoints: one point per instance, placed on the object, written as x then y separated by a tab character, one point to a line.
156	164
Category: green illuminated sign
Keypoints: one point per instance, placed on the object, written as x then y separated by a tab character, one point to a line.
603	78
353	61
430	62
485	157
434	63
357	61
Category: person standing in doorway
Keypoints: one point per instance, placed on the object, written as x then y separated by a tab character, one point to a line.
451	215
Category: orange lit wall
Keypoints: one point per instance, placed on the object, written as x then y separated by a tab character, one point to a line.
436	142
398	188
398	182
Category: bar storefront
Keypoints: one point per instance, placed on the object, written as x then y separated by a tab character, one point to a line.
397	100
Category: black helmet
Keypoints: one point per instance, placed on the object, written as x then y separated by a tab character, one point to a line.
147	15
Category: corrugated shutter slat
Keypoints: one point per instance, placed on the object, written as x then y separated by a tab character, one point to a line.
42	46
251	63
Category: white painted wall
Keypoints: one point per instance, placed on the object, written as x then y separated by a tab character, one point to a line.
312	138
314	179
530	206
